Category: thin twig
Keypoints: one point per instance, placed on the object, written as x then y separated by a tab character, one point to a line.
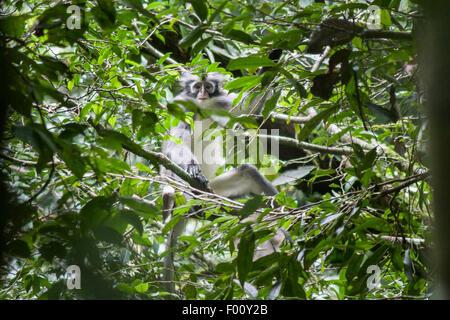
152	49
50	176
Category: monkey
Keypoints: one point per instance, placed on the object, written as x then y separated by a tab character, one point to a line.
206	92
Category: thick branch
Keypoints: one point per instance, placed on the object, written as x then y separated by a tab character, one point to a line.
414	241
383	34
165	162
405	184
24	163
322	57
154	157
285	118
305	145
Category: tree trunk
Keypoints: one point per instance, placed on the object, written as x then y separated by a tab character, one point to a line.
434	44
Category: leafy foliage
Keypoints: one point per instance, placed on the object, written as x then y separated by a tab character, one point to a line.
89	107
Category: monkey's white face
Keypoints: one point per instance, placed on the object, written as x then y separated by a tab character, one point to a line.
202	90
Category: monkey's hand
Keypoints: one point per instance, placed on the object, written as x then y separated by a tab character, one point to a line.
194	170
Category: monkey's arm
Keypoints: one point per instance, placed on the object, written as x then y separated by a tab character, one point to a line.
181	154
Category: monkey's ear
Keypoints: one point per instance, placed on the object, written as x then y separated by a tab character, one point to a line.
218	77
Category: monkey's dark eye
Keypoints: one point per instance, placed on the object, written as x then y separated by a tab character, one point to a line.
197	86
209	87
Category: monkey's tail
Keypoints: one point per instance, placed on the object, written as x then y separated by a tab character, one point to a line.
168	198
169	268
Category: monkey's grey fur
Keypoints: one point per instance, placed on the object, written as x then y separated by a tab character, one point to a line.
206	92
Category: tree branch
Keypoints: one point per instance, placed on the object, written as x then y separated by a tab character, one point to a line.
24	163
155	52
305	145
383	34
284	117
407	183
414	241
154	157
50	176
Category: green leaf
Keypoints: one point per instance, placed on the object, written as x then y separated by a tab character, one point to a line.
240	36
54	64
18	248
190	291
305	132
54	21
20	101
28	135
71	156
143	189
224	267
71	130
40	139
290	176
375	258
133	219
233	231
142	167
385	18
290	40
200	8
95	211
251	206
124	257
271	104
338	135
358	150
369	159
116	136
217	12
291	287
149	120
44	89
396	257
127	188
250	62
56	290
13	25
141	288
191	37
108	234
125	288
136	118
354	266
176	111
246	121
135	4
330	218
141	207
105	14
300	88
172	223
244	260
51	250
200	45
249	81
113	165
116	221
373	223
